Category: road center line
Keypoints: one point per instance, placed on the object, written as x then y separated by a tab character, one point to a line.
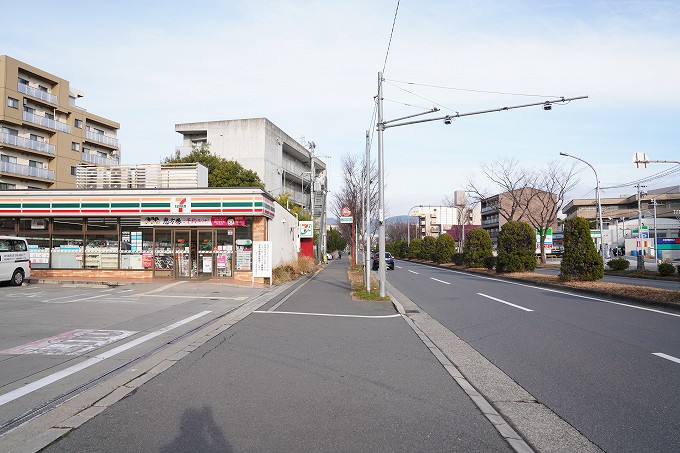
47	380
440	281
413	272
268	312
666	356
504	302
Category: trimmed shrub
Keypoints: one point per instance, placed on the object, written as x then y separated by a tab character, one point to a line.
477	247
446	247
429	247
457	259
490	262
678	268
516	248
666	269
618	264
415	248
581	260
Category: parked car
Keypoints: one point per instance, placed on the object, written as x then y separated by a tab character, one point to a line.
389	261
15	260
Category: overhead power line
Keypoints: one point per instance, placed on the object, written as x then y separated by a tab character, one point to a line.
661	174
391	33
473	91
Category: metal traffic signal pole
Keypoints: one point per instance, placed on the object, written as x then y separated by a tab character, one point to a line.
448	119
367	216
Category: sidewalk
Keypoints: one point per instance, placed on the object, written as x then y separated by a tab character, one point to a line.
312	370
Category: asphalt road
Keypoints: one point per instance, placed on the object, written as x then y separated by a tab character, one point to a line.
315	371
611	370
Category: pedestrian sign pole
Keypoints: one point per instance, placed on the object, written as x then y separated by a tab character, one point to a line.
346	217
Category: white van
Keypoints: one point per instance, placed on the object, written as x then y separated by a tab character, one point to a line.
15	260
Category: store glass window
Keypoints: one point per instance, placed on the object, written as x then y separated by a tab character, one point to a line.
244	245
68	224
101	243
7	226
67	251
35	230
136	245
163	259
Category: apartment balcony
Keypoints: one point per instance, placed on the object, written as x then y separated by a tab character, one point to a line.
101	138
99	160
26	143
489	209
46	122
26	171
36	93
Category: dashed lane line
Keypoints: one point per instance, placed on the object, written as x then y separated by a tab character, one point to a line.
505	302
666	356
413	272
440	281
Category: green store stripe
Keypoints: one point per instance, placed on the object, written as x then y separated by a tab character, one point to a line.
124	205
10	205
95	205
40	205
57	205
206	204
155	205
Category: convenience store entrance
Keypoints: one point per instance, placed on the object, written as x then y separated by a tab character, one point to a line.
203	253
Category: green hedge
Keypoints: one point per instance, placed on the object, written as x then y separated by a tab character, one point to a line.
581	260
516	248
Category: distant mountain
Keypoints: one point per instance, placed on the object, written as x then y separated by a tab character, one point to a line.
401	218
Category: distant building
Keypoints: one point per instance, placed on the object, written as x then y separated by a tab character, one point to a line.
497	210
435	220
620	215
44	134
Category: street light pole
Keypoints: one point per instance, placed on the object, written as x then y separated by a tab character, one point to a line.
640	257
599	205
367	216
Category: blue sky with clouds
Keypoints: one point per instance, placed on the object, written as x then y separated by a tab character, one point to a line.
311	68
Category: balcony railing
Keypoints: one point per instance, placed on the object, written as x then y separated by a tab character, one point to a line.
25	170
47	122
27	143
36	93
99	160
101	138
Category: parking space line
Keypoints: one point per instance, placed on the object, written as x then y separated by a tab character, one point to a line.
666	356
47	380
504	302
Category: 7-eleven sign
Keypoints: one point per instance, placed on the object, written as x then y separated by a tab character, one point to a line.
180	205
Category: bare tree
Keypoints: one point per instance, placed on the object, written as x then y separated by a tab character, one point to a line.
396	231
532	195
510	178
350	195
463	217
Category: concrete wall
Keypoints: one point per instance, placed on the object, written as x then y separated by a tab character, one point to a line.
284	234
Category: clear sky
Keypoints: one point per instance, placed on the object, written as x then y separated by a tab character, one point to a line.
311	68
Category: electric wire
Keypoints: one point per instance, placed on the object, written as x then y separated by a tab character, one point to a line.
424	98
391	34
473	91
660	175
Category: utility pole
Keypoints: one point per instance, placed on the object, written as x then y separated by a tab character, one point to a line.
312	201
640	257
382	276
367	216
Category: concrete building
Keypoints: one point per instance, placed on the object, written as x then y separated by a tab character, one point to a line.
44	134
620	217
435	220
498	209
283	164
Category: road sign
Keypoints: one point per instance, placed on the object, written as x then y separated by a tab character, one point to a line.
346	212
348	219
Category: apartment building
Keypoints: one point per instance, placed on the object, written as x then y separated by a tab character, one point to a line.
283	164
517	206
44	135
435	220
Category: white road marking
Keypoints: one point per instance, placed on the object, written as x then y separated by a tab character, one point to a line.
163	288
398	267
193	297
47	380
64	297
563	292
440	281
74	342
666	356
413	272
269	312
504	302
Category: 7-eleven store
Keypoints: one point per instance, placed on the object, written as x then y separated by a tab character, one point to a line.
139	233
